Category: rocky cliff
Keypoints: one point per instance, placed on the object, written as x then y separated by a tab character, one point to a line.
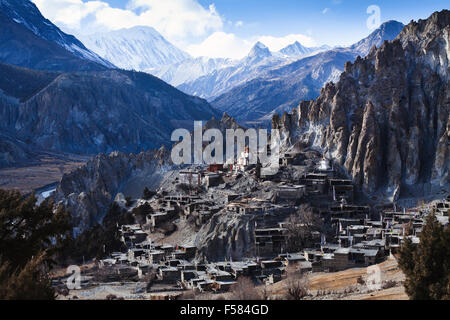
89	191
386	121
227	236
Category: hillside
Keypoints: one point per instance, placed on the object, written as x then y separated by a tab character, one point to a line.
92	112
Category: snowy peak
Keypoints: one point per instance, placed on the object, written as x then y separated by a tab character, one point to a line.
138	48
142	33
387	31
259	50
191	69
258	53
296	49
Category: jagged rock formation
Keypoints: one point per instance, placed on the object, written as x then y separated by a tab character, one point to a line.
89	191
225	123
92	112
227	235
387	119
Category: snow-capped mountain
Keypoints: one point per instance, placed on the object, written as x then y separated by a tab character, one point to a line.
25	13
222	80
227	73
191	69
296	50
387	31
280	88
260	63
258	53
138	48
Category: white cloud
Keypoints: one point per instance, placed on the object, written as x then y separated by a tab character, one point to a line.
186	23
69	13
326	10
221	45
175	19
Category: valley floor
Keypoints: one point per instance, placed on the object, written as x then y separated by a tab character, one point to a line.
45	170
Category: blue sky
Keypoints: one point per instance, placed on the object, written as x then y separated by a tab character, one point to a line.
343	23
230	27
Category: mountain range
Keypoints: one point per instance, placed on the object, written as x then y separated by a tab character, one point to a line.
381	106
59	96
259	60
144	49
251	89
275	89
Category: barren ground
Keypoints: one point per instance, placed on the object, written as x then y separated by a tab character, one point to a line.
44	170
344	285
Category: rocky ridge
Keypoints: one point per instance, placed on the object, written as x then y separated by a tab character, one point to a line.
89	191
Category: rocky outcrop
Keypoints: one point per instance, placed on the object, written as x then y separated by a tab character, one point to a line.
386	120
223	125
89	191
226	236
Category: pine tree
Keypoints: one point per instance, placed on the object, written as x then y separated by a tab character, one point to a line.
406	259
30	283
427	266
29	238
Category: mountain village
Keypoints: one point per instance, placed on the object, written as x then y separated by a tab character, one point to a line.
353	235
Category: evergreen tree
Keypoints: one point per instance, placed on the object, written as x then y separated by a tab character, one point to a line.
30	236
427	266
406	262
101	239
30	283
